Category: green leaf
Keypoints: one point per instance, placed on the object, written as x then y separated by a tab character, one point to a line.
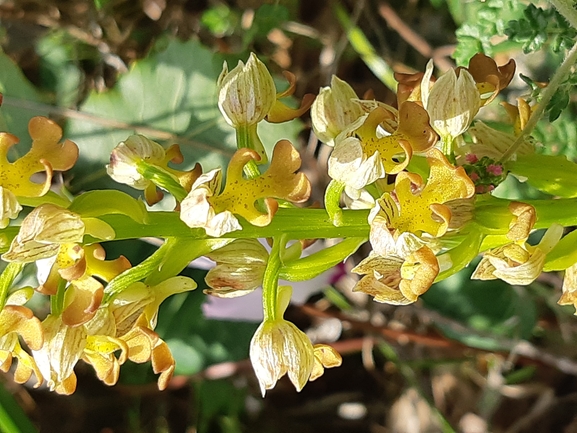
12	417
563	254
555	175
169	96
107	202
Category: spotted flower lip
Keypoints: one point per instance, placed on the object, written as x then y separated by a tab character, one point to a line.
196	210
417	207
361	155
45	155
213	208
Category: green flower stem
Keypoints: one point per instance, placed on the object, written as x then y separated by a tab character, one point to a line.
138	272
560	75
317	263
332	201
11	271
247	137
270	280
57	300
162	179
295	223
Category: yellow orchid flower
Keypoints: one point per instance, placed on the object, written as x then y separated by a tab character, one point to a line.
129	160
18	321
363	155
452	102
208	207
278	347
119	331
517	263
334	110
418	208
398	270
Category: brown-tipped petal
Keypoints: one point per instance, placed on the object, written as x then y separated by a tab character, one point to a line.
414	124
67	386
21	320
524	218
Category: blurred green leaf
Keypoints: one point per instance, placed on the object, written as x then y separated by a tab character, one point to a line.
554	175
200	342
12	417
480	22
221	20
171	97
538	26
15	113
59	71
219	406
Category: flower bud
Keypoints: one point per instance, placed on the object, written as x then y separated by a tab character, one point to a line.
247	93
125	157
9	207
239	268
334	110
277	348
452	103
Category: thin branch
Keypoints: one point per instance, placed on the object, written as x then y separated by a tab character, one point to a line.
415	40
